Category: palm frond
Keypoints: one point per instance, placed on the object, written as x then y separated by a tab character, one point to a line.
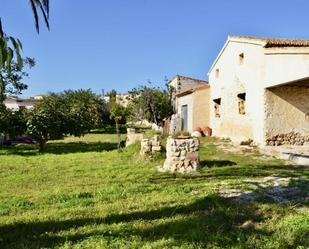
43	6
35	14
45	14
1	30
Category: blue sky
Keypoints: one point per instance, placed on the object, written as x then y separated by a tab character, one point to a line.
120	44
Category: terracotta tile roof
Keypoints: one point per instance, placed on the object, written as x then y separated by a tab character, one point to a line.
275	42
191	90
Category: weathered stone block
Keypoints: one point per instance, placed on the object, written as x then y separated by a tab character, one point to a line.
156	148
149	146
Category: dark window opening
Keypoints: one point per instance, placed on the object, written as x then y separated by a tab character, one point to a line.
241	58
241	103
217	107
217	73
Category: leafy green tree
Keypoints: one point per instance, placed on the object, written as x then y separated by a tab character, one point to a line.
85	110
47	120
69	113
151	103
112	96
11	78
12	123
118	113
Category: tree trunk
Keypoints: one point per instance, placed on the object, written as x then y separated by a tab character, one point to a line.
152	107
118	134
42	143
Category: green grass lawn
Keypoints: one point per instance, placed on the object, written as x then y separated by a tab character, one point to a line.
90	195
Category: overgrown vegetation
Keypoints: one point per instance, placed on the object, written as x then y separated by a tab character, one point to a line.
150	103
86	194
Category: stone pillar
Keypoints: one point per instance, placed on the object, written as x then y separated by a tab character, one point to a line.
182	155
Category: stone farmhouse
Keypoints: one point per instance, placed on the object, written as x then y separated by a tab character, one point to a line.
180	84
259	90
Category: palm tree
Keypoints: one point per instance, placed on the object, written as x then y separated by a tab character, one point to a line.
10	45
43	6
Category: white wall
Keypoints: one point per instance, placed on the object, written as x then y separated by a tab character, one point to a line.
287	110
15	105
11	104
234	78
187	100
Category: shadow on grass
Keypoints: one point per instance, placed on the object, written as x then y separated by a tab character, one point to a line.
109	129
210	220
62	148
216	163
232	172
206	222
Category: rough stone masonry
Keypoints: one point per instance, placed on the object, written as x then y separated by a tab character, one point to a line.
182	155
150	146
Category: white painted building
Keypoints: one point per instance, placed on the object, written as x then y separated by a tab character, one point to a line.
16	104
260	89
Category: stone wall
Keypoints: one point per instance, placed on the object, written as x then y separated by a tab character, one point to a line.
182	155
286	114
150	146
291	138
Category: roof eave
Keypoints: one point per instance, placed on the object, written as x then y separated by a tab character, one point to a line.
234	39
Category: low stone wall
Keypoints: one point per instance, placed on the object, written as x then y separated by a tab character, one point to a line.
150	146
182	155
291	138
